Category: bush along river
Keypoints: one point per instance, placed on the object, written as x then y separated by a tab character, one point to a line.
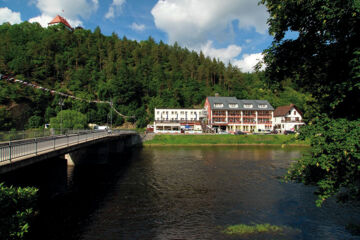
227	192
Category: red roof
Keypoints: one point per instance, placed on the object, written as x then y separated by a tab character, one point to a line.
60	19
283	110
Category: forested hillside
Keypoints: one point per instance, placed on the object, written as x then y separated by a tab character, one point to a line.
137	76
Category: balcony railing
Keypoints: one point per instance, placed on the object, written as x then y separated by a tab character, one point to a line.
291	121
264	122
178	121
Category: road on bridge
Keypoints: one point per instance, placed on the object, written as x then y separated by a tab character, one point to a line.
11	151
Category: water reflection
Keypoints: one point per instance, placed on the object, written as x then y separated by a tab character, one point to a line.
181	193
191	193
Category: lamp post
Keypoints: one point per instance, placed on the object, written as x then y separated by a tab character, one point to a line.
111	106
61	103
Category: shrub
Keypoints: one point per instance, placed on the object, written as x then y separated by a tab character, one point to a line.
17	209
333	164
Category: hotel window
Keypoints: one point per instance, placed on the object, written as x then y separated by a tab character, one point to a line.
182	112
218	105
262	106
233	105
248	105
157	112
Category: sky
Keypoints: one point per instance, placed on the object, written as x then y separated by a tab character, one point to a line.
233	31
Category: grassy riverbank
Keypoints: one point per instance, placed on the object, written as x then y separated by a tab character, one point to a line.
225	140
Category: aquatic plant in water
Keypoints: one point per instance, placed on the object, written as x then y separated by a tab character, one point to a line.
243	229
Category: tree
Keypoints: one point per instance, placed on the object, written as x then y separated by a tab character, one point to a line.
324	60
325	57
17	210
69	119
333	163
34	122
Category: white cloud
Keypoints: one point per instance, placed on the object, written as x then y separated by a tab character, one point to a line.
224	54
137	27
72	10
191	22
114	9
6	15
248	62
42	19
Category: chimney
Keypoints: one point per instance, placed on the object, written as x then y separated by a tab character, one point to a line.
217	95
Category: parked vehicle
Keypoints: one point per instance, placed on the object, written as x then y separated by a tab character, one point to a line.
239	133
99	128
223	132
286	132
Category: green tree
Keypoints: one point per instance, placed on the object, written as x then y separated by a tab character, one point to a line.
35	122
325	57
323	60
69	119
333	164
17	206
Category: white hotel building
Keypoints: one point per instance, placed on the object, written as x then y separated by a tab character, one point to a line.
178	120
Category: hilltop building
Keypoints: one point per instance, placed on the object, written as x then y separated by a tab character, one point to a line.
288	118
60	20
231	114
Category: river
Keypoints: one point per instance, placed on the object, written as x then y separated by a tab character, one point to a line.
182	193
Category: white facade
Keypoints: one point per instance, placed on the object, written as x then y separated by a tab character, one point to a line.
290	121
169	120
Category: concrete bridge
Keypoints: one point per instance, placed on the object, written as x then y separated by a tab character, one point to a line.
79	148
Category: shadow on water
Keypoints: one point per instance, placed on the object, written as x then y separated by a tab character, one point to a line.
68	195
181	193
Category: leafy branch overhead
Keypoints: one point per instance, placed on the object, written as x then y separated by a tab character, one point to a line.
324	60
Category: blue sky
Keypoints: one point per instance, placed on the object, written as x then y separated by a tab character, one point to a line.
231	30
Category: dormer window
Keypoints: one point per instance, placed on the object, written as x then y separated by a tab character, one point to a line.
248	105
218	105
233	105
262	106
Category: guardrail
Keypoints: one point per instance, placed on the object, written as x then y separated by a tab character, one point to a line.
16	149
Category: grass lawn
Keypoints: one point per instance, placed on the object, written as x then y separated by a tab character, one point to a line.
225	140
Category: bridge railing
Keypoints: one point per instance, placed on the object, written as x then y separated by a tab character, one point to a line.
15	149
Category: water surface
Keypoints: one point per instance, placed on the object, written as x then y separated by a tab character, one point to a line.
194	192
182	193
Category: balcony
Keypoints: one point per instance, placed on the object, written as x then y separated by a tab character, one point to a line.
292	121
264	122
197	122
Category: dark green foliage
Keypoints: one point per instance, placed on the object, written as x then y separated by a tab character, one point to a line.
323	60
333	163
17	210
34	122
134	75
69	119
